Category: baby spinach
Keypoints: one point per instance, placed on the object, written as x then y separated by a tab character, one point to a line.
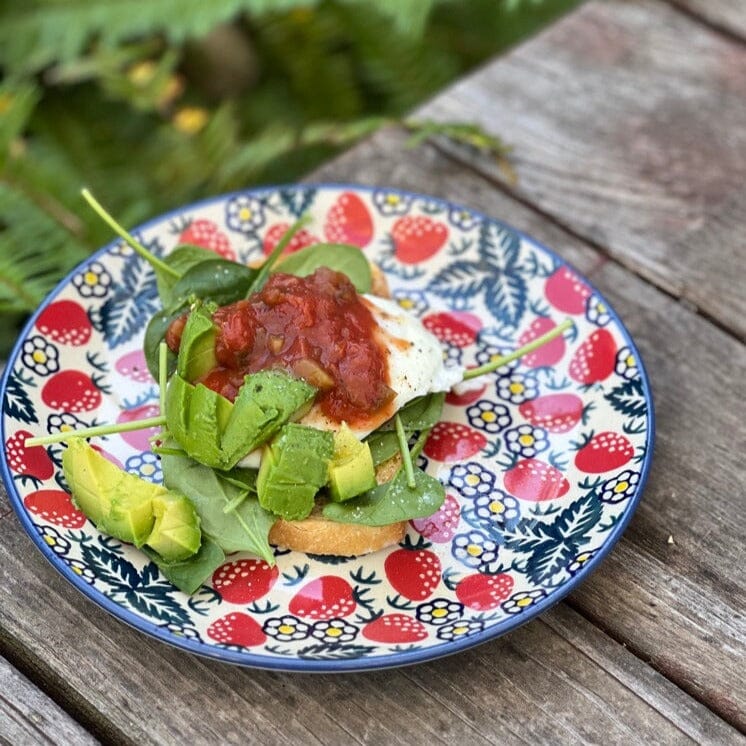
220	281
391	502
420	414
244	528
188	575
337	256
181	259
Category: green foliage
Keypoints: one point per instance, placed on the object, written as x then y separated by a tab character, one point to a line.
154	103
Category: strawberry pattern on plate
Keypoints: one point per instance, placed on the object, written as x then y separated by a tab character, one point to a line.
543	461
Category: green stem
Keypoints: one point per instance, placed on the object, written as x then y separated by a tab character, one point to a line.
530	347
162	374
419	444
405	455
149	257
90	432
266	268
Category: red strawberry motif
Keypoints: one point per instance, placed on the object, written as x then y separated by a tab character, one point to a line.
56	507
417	237
139	439
604	452
566	291
440	527
453	441
459	328
463	394
556	413
133	366
33	462
594	360
206	234
349	221
324	598
71	391
395	628
65	321
483	592
244	581
535	480
413	573
299	241
550	353
236	628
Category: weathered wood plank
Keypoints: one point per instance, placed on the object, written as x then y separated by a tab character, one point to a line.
629	137
28	716
531	686
674	604
729	15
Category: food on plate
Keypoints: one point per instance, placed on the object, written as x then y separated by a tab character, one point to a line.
294	405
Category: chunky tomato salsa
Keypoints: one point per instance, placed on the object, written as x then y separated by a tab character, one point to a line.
316	327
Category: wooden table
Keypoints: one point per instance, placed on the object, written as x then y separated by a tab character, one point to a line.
628	122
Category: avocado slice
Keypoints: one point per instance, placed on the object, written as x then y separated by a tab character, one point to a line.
351	470
294	467
176	533
130	517
91	478
197	348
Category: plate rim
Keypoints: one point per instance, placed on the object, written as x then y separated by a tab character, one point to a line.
303	665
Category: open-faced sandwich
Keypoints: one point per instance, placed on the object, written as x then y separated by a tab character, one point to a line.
295	400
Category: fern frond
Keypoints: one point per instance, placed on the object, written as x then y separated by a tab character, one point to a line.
33	250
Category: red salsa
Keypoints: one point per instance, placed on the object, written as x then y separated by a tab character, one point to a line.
317	328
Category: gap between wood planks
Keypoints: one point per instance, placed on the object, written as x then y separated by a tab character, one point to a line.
450	152
715	26
58	690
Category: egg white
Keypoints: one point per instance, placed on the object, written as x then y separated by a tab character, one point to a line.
415	363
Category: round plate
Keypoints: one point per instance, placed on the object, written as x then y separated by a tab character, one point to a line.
543	461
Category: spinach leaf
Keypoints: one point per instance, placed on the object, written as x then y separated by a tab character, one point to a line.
420	414
246	528
181	259
383	445
155	333
218	280
337	256
188	575
390	502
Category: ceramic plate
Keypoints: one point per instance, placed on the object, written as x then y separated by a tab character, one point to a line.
543	461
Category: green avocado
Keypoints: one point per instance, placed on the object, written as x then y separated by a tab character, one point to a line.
351	470
91	478
197	348
176	533
294	467
130	517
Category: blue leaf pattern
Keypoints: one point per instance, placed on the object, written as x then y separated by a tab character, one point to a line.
17	403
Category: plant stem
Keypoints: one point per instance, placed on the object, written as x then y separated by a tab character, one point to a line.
265	269
162	374
405	455
530	347
90	432
149	257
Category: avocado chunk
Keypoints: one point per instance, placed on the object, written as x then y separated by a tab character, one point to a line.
130	517
351	470
197	347
294	467
176	533
91	478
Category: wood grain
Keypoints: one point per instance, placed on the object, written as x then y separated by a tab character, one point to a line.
729	15
28	716
533	686
630	138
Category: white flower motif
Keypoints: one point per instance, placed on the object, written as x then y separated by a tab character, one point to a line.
457	630
392	203
334	630
244	214
489	416
526	440
626	364
287	628
517	388
93	282
439	611
519	602
620	487
597	312
40	356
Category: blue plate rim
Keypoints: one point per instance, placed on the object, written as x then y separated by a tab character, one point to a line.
299	665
